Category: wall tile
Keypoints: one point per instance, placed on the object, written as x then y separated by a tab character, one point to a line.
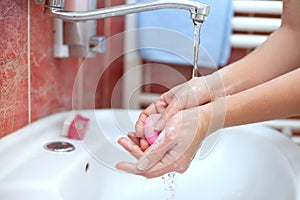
13	66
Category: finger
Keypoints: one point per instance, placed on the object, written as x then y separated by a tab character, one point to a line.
156	173
157	106
128	167
161	168
156	151
132	168
169	112
144	144
174	104
153	108
141	142
169	163
131	147
139	126
132	136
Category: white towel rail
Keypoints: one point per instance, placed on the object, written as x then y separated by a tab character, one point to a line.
252	24
245	41
257	24
261	7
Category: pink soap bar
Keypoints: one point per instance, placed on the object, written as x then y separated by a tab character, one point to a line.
149	132
78	127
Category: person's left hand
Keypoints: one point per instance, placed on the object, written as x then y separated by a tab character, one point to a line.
173	150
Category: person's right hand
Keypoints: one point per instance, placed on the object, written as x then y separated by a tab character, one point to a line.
187	95
174	148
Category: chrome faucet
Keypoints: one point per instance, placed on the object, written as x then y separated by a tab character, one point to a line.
75	25
55	8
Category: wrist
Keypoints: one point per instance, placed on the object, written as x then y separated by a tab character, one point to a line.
200	90
213	114
215	86
207	88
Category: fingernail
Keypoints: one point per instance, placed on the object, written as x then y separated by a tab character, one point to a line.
143	163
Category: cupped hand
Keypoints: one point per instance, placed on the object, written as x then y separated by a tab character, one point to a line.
187	95
173	150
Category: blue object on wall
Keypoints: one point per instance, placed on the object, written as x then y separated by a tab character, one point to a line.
166	35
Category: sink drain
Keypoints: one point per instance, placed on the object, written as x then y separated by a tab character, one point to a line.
60	146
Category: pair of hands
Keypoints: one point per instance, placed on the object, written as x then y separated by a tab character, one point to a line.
183	125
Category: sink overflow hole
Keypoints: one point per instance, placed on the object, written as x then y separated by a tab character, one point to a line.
87	166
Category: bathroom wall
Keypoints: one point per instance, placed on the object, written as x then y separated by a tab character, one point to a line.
33	83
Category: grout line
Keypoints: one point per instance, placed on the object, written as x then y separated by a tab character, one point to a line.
28	64
107	34
79	80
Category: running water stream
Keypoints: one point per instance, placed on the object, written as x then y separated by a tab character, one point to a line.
197	30
170	178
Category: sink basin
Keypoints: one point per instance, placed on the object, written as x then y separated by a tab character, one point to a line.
238	163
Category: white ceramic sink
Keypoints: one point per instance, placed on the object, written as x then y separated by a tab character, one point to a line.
249	162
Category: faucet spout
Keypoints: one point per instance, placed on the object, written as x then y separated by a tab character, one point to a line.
55	8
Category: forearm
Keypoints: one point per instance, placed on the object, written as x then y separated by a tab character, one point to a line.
278	98
276	56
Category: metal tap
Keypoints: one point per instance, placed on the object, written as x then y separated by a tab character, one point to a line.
75	25
55	8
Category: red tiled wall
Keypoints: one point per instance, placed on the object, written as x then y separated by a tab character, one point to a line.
36	85
51	79
13	65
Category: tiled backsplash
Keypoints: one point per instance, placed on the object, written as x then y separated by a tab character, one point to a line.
13	65
33	83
